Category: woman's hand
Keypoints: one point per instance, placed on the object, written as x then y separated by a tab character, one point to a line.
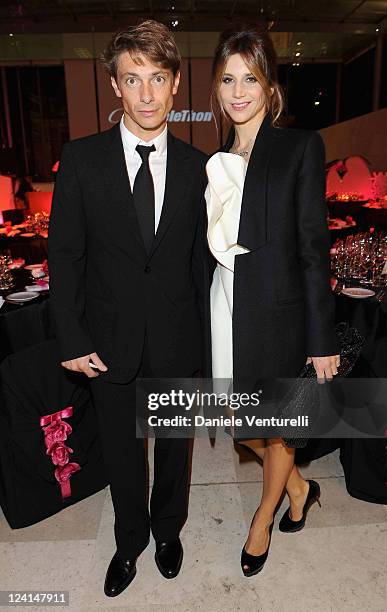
326	367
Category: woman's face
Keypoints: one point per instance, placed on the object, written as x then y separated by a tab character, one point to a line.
240	93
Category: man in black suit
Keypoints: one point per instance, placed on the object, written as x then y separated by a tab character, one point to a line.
126	257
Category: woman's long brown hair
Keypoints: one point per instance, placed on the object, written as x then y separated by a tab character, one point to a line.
257	50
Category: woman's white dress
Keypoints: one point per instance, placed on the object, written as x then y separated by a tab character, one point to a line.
226	175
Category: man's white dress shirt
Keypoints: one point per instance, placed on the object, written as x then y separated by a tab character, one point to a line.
157	162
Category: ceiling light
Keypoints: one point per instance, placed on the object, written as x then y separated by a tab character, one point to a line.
298	54
299	43
316	103
175	23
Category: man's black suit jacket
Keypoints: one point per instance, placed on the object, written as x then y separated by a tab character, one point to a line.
106	293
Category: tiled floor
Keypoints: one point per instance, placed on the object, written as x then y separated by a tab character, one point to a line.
337	563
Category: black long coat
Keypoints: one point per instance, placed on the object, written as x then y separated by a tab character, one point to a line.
283	308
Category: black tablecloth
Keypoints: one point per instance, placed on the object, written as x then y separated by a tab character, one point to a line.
375	217
364	461
33	249
341	234
365	217
369	316
23	325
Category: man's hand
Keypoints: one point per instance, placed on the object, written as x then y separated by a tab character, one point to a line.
81	364
326	367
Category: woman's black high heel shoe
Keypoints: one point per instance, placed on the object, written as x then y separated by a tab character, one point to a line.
286	524
254	562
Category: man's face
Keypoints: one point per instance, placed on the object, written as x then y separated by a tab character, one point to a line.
147	92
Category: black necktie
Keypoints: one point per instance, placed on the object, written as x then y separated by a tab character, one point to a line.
144	197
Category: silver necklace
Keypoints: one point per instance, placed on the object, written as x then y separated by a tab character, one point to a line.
243	152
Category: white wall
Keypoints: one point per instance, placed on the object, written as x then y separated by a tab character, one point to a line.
365	136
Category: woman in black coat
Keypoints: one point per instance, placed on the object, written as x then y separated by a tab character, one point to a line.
271	304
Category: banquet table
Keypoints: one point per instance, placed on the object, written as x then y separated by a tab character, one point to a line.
32	249
364	215
340	233
23	325
343	208
364	460
375	217
369	316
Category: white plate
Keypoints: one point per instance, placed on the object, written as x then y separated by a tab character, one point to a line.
37	273
30	288
21	296
33	266
358	292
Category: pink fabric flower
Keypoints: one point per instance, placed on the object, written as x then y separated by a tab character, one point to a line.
56	432
59	453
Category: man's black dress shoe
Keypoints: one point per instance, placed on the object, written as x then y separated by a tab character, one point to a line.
169	557
119	575
286	524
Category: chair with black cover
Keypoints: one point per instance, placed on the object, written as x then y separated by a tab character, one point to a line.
33	385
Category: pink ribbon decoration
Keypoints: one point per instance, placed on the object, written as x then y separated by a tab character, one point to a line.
63	474
55	433
56	416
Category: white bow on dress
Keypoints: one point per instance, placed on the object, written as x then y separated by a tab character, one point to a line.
226	175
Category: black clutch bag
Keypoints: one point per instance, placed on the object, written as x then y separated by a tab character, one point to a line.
351	343
305	399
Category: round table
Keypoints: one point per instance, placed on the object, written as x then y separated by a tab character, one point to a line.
375	217
32	249
23	325
364	461
342	208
